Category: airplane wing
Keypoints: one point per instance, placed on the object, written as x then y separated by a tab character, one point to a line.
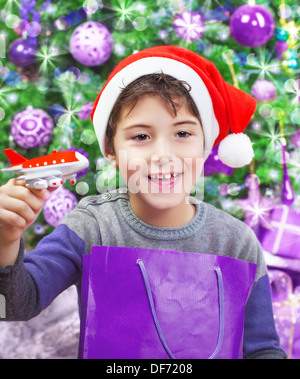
41	174
12	169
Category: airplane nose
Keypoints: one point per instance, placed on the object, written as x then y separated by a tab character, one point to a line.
84	162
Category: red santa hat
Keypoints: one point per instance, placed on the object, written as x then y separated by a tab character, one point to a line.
222	107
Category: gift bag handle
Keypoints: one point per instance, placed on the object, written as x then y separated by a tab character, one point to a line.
155	319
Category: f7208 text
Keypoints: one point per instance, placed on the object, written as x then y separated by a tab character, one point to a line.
171	368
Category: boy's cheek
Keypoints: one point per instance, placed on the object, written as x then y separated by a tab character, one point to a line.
198	165
133	169
194	168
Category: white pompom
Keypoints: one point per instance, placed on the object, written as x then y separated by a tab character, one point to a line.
236	150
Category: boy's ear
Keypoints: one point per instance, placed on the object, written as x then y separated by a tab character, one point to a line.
112	160
110	154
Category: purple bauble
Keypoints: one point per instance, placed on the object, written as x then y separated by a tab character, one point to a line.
213	164
86	110
60	203
32	128
263	90
252	25
295	139
91	43
22	52
281	47
189	25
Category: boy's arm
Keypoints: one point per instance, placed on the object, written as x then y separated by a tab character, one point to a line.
261	340
260	337
38	277
19	291
19	208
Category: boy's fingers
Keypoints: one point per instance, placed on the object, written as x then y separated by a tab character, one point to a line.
20	208
12	219
24	194
43	194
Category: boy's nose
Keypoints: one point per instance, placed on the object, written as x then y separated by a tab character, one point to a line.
160	160
163	153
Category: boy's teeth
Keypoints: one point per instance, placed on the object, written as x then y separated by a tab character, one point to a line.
166	176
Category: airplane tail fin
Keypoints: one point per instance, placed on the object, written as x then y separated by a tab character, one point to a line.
14	157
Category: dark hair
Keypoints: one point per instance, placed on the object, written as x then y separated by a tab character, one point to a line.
174	92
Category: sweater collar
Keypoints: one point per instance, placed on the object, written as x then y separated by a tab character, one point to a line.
156	232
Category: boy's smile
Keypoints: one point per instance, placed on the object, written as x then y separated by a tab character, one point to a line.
164	181
160	156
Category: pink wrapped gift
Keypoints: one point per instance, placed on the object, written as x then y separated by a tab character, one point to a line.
286	308
284	237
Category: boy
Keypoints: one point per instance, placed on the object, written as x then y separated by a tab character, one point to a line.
158	130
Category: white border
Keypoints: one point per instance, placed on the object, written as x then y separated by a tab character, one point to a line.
152	65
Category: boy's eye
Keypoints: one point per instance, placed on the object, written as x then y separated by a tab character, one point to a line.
141	137
183	134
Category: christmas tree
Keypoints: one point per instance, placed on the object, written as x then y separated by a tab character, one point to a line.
50	76
46	67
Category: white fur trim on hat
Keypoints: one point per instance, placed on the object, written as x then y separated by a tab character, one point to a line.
236	150
151	65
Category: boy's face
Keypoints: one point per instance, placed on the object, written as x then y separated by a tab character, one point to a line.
159	155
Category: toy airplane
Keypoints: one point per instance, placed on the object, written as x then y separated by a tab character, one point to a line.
49	171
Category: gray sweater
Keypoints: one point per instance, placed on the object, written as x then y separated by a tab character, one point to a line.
39	276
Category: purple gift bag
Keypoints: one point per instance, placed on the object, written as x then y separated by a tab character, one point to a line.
157	304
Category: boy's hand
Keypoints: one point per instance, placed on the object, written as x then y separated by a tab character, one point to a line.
19	208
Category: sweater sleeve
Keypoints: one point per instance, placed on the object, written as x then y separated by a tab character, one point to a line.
19	291
261	340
